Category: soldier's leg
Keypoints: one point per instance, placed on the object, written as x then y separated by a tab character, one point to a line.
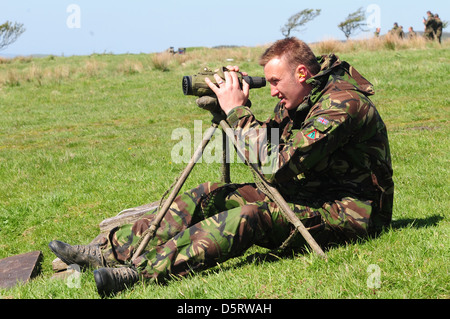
218	237
183	212
202	245
329	223
211	241
189	208
230	233
224	235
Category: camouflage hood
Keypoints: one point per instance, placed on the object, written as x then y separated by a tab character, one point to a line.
333	70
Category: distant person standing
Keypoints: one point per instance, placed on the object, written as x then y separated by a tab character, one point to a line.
396	31
377	32
401	34
438	27
411	33
429	26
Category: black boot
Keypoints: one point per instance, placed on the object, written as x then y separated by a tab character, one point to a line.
82	255
112	280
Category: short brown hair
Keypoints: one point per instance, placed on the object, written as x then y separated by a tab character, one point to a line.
295	51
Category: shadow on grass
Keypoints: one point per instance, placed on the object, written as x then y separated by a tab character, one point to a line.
289	253
417	222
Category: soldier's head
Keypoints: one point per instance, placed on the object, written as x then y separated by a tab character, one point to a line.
288	63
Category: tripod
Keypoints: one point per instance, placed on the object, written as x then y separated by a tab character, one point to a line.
268	189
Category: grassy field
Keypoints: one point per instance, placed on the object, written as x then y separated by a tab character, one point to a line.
84	137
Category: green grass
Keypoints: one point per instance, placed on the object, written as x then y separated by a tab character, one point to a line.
82	138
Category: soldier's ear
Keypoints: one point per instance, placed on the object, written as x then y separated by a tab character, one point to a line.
301	73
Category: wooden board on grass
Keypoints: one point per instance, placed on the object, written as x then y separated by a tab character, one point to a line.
19	268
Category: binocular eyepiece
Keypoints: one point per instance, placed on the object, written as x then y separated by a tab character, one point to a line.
196	85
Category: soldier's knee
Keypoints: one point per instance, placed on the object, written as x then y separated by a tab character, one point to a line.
255	216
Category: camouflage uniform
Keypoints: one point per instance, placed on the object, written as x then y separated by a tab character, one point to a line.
430	26
332	164
412	35
438	29
397	31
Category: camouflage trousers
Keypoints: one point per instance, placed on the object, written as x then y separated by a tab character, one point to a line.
214	222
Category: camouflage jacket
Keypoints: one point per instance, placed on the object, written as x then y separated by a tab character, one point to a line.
333	145
430	25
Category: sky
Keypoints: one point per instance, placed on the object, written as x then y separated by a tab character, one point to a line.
83	27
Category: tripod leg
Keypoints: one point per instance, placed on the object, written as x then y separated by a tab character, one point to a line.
276	196
225	160
184	175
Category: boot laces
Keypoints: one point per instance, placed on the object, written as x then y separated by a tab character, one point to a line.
124	276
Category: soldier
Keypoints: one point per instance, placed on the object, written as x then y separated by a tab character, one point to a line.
331	163
411	33
438	28
377	32
397	31
430	26
401	34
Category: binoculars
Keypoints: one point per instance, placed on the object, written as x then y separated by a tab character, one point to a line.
196	85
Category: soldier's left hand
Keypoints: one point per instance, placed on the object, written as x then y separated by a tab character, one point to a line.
229	92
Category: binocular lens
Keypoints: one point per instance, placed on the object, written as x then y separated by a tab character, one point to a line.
255	82
187	85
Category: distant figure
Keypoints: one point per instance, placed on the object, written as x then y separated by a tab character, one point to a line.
397	31
411	33
438	27
429	26
377	32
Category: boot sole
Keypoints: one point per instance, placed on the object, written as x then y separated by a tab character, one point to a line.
98	277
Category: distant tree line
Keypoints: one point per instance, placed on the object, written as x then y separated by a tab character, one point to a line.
354	21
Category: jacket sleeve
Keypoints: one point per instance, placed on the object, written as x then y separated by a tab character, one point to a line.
282	155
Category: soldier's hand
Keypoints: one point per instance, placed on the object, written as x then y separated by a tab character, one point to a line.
235	68
229	91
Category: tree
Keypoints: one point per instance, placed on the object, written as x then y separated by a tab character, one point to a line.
354	21
299	19
9	33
